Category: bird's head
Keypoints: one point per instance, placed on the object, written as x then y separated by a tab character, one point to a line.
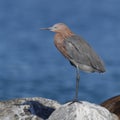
58	28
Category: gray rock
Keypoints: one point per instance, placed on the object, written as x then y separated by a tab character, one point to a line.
27	109
82	111
46	109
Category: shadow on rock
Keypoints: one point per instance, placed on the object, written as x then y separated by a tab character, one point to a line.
39	109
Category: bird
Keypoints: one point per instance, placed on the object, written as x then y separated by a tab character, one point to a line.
78	52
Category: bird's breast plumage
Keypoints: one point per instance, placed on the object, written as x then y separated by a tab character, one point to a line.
59	43
79	53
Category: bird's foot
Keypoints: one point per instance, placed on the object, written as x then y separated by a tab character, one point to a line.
75	100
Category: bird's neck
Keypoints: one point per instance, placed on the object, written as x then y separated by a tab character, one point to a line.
63	35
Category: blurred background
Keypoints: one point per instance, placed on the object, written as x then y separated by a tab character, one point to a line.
31	66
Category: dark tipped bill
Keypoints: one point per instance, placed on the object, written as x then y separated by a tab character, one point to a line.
44	28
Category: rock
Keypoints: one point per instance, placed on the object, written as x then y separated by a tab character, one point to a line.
46	109
82	111
113	105
27	109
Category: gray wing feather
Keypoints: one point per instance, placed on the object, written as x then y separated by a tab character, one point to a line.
80	52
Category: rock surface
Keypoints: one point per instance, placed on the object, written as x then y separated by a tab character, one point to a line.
46	109
81	111
27	109
113	105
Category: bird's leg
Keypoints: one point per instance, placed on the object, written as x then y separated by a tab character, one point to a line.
77	84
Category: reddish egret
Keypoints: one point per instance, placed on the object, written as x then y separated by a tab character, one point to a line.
77	51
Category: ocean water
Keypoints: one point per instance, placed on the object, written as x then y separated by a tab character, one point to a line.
31	66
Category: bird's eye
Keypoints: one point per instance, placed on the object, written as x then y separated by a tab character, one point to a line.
55	27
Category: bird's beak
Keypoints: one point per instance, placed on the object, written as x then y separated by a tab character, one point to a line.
49	28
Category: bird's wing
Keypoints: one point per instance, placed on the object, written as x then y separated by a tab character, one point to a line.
80	52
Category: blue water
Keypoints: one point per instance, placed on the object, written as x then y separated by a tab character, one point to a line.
31	66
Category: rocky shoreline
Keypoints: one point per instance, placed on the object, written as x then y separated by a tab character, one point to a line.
45	109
